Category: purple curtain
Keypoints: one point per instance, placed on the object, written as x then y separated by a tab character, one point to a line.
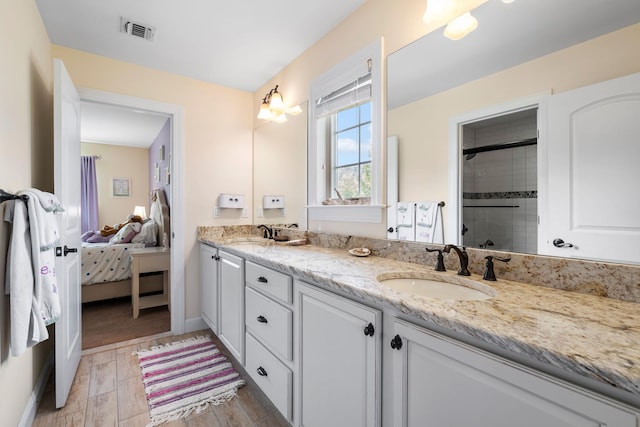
89	194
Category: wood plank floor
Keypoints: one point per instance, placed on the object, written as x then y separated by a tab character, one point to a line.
109	322
108	391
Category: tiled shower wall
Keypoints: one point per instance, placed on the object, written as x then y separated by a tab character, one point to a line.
500	187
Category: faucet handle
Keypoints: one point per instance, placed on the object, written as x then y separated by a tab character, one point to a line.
440	262
489	274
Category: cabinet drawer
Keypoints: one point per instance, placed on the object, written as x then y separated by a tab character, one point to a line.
271	282
274	378
270	322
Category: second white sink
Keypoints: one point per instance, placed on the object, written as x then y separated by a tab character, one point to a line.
440	287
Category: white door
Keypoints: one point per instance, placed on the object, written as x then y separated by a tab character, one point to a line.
593	173
66	128
231	305
340	360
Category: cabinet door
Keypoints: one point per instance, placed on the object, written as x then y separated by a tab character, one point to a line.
231	287
209	286
593	171
339	363
440	382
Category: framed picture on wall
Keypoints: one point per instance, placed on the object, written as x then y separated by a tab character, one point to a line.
121	187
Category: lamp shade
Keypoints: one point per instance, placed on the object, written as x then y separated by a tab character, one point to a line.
141	211
438	12
265	112
277	103
461	26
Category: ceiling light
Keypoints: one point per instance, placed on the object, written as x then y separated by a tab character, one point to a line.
273	107
461	26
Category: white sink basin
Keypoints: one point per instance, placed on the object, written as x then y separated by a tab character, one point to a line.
439	287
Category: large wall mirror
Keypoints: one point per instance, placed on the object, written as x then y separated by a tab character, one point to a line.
280	171
443	92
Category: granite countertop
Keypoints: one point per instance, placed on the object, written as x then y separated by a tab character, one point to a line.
593	336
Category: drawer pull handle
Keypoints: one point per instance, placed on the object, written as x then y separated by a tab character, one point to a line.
261	371
369	330
262	319
396	342
262	279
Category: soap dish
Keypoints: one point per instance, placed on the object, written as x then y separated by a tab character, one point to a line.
359	251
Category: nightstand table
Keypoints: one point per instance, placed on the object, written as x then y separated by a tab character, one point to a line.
147	260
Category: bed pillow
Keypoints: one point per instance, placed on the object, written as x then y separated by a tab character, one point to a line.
147	235
98	238
125	234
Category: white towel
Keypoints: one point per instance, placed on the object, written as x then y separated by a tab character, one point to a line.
429	222
406	212
44	239
27	327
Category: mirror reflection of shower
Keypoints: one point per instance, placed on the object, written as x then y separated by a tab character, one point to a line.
499	185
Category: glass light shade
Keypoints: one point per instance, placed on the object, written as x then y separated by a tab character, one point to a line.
438	12
141	211
279	118
461	26
507	1
276	104
295	110
265	112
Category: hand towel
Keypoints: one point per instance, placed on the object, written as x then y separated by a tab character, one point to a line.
429	222
27	327
44	239
406	220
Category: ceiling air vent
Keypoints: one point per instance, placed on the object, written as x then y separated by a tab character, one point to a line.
137	29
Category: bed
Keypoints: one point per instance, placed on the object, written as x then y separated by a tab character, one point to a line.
106	266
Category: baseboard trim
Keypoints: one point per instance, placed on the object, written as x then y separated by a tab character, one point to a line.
194	324
29	414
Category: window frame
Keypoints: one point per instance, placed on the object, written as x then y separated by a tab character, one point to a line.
319	146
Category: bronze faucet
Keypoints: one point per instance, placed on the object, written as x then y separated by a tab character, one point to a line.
464	259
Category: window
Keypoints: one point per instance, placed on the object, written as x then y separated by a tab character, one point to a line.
345	134
351	152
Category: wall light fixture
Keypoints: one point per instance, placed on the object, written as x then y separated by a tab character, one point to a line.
273	107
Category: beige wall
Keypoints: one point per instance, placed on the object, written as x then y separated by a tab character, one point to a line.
217	140
26	145
119	162
422	126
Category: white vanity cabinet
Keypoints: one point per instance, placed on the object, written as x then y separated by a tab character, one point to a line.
340	360
269	336
209	286
440	382
231	303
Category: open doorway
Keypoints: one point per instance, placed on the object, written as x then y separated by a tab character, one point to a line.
499	182
125	159
162	171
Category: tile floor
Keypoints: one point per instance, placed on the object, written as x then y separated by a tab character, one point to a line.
108	391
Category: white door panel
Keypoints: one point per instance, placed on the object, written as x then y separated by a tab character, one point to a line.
68	329
593	151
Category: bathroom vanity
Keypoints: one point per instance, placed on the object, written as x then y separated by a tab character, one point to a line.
330	344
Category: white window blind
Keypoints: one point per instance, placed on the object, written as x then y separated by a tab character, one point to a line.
351	94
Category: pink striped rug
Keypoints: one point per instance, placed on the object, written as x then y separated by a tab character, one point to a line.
184	377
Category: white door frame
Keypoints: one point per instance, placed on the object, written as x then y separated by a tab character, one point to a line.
176	113
454	220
